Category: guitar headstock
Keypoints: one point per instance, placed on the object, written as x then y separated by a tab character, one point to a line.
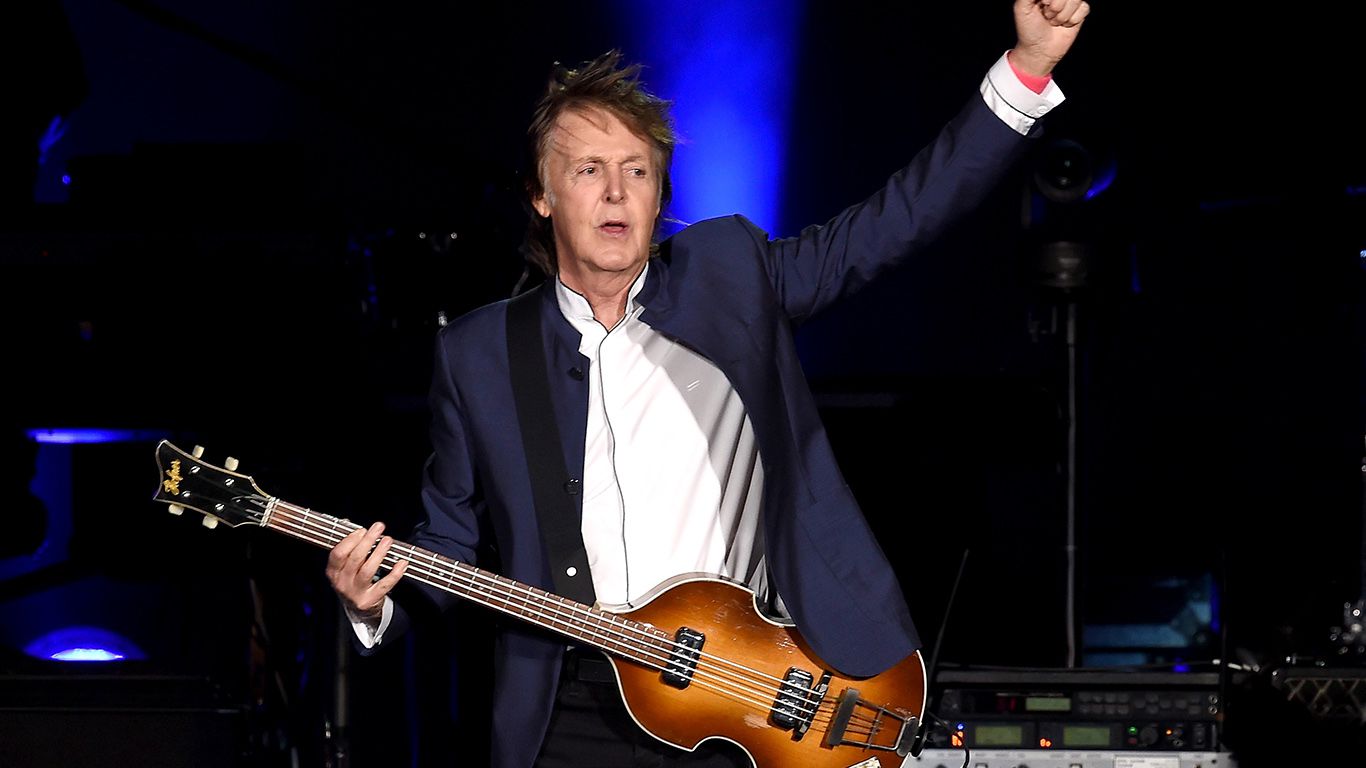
188	482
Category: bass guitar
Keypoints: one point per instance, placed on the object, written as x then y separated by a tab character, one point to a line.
696	661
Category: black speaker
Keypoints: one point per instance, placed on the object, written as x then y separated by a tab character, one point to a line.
103	719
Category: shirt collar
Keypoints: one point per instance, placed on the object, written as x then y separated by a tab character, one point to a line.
576	309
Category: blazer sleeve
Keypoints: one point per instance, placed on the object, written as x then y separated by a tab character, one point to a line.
945	181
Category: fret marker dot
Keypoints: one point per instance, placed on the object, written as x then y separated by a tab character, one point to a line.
571	571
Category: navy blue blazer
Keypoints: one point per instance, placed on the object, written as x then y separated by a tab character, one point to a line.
724	289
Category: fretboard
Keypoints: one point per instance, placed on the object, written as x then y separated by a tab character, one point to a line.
601	629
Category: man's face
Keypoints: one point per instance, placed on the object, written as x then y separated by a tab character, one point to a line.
601	194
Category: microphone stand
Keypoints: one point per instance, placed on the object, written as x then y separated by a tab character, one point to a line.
337	726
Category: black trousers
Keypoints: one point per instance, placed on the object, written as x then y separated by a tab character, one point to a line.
590	726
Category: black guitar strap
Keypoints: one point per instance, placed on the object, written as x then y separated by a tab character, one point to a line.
541	437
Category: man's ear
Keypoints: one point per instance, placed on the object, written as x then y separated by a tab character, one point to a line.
541	205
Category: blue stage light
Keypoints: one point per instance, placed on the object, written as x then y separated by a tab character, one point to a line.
86	436
84	644
728	69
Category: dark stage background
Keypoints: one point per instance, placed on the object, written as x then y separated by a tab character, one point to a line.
268	207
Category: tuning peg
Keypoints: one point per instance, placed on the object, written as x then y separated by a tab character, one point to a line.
176	509
198	452
210	522
230	463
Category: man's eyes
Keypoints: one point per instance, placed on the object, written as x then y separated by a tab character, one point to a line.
592	170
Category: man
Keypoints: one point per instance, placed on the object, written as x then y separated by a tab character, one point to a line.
690	438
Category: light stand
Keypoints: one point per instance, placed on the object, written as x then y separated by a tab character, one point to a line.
1061	265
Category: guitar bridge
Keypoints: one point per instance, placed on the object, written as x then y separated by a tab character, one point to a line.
876	727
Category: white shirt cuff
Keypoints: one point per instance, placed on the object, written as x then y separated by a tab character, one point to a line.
1013	101
369	634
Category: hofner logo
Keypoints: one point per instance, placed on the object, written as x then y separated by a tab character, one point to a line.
172	481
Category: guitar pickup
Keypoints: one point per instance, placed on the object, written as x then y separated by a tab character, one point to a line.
797	701
682	662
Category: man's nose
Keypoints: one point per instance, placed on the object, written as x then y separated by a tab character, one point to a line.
616	189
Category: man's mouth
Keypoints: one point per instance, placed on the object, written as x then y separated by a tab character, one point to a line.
613	227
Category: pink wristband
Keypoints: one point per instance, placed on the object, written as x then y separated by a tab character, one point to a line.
1035	83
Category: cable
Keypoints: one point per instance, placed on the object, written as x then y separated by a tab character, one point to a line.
947	727
918	743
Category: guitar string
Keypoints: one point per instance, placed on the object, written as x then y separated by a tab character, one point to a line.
571	606
560	602
327	525
488	600
529	601
469	572
328	535
271	504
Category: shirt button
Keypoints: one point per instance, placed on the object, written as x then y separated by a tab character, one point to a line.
571	487
576	373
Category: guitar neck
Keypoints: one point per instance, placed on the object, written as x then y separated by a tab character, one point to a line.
582	623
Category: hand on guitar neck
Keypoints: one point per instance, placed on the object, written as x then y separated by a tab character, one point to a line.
352	567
